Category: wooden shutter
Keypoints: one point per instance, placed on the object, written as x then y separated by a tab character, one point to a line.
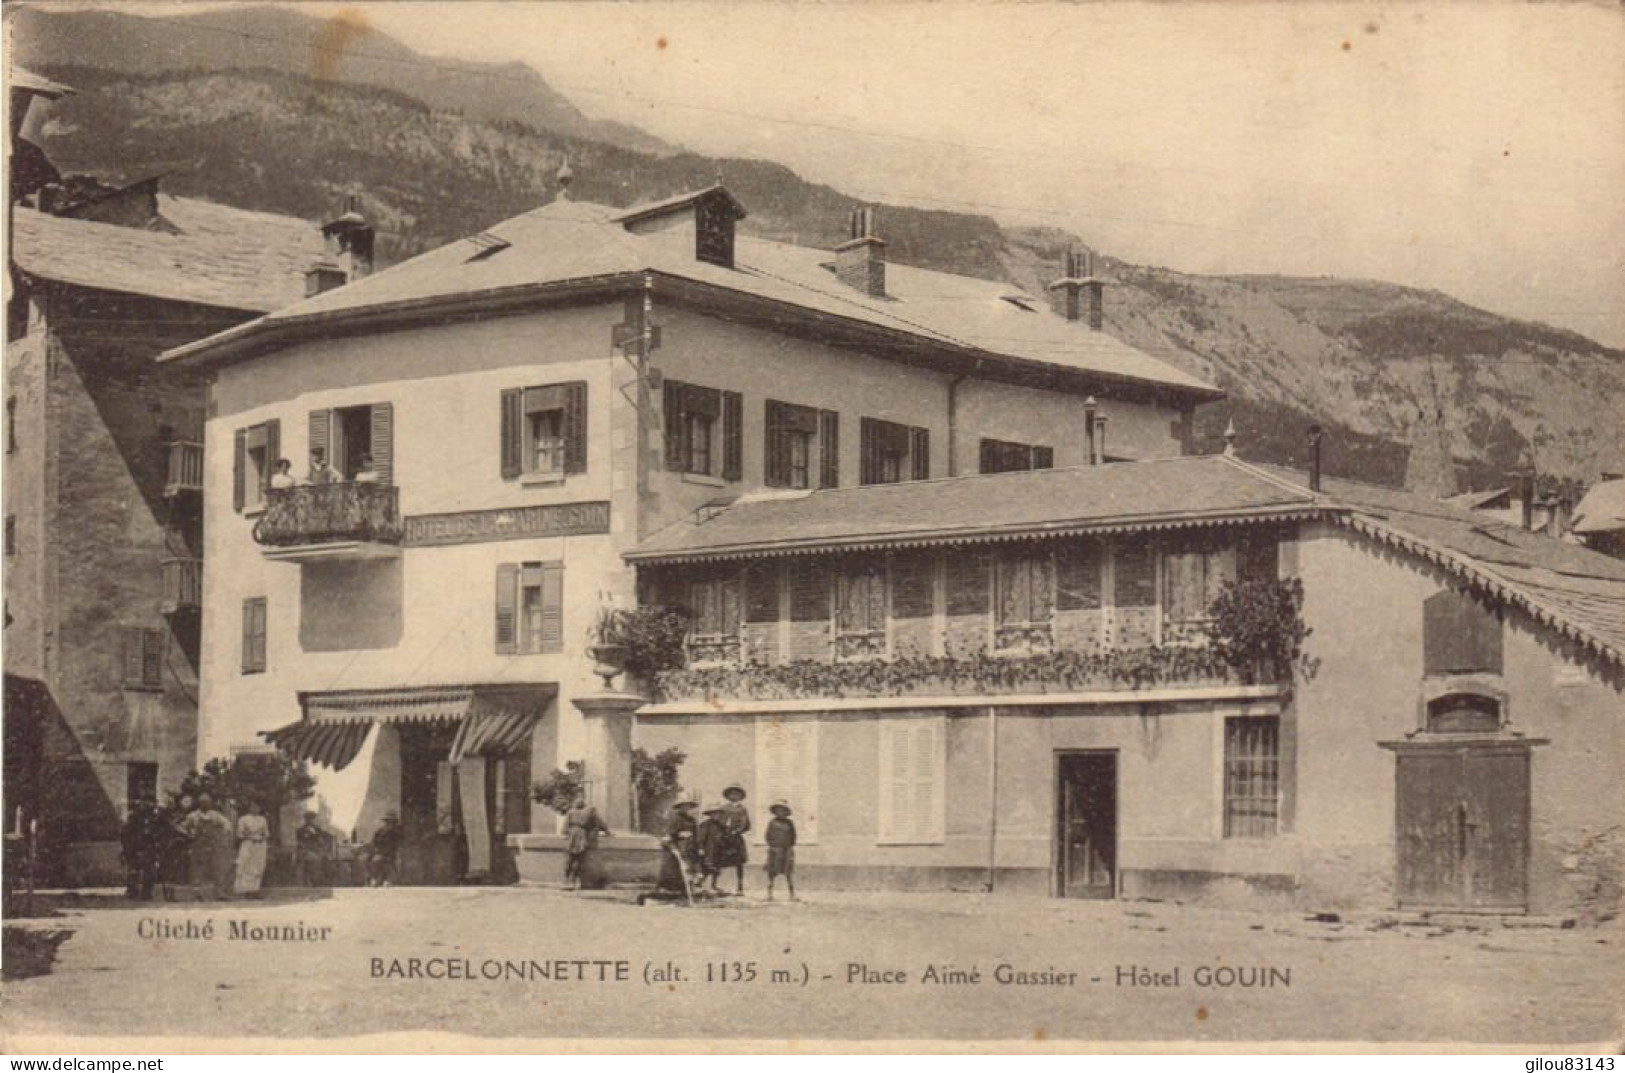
142	657
1043	458
1459	635
513	433
516	788
1258	556
676	438
575	427
552	639
829	446
321	434
762	593
919	453
1077	576
731	610
254	629
273	451
809	591
1184	584
868	451
775	458
733	436
967	583
913	585
383	441
912	795
239	470
787	769
507	613
1134	569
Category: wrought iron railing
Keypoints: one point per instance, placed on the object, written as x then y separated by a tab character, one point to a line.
183	585
341	512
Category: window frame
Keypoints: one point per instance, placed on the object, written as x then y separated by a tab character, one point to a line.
1032	632
722	646
933	832
148	642
874	580
1260	768
699	442
256	644
530	638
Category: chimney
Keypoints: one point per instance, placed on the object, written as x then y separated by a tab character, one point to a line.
349	241
1082	289
1314	458
860	261
1100	440
1090	418
322	276
1526	496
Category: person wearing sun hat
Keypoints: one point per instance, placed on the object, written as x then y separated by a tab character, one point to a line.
679	843
781	848
708	839
735	822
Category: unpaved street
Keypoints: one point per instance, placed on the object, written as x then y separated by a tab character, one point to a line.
397	960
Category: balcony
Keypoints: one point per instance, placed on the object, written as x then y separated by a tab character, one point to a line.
185	469
183	585
342	521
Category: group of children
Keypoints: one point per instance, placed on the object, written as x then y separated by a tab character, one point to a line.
696	853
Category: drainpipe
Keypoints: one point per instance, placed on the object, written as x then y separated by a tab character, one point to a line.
992	796
953	423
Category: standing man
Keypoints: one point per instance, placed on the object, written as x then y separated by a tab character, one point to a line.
384	851
320	471
142	841
312	848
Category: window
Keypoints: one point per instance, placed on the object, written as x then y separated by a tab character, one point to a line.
714	614
860	610
544	430
530	608
11	534
704	431
1464	713
142	658
892	452
1024	597
1077	576
256	451
349	435
1192	577
1460	635
140	783
787	770
1001	456
794	435
1252	781
913	768
1134	575
11	424
254	635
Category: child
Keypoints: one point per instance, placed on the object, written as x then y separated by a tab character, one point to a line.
708	840
735	819
781	849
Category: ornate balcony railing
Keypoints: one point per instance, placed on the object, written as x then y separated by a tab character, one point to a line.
185	468
339	513
183	585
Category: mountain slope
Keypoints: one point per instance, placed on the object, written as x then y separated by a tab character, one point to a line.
1361	358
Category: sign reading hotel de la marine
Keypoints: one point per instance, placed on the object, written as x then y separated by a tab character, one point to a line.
514	523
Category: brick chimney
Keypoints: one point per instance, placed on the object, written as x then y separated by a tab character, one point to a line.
1082	289
348	254
860	261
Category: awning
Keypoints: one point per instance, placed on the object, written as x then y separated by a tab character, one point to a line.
332	745
492	733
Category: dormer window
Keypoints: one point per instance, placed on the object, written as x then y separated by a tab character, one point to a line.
712	211
714	231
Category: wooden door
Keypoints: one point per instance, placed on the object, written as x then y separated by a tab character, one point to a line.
1086	825
1462	824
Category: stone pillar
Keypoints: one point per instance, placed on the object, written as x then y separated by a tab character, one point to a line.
607	721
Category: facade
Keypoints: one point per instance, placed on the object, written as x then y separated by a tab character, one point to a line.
103	509
539	399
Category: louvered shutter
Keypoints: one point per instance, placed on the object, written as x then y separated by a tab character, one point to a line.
733	436
516	786
321	434
507	596
239	470
967	583
809	591
776	459
1043	458
676	440
513	422
868	452
1134	569
913	584
1077	581
829	446
762	593
787	769
552	639
919	453
273	451
1460	635
912	794
575	427
152	656
383	441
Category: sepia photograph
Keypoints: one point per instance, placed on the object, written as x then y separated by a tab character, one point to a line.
793	526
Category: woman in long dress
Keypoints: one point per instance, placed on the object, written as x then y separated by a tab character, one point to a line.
253	839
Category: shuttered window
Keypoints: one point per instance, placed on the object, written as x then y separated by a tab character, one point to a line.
1252	780
1077	575
762	593
1460	635
544	430
809	591
1258	555
529	608
704	430
787	770
1134	575
860	600
913	778
1025	587
889	452
966	577
829	449
1004	456
254	631
254	457
511	784
1192	578
792	433
353	439
913	586
715	608
142	657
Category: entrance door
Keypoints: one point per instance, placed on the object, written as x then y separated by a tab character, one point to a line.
1086	825
1462	818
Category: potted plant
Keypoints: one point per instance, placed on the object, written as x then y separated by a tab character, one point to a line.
605	645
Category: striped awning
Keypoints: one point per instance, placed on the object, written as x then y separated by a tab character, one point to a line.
332	745
494	732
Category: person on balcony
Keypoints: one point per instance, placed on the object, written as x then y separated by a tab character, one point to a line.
366	474
283	476
320	471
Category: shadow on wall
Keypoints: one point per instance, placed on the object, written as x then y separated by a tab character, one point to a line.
347	606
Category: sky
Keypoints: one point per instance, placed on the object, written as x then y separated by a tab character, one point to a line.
1477	148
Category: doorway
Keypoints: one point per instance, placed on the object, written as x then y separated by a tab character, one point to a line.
1086	824
1462	824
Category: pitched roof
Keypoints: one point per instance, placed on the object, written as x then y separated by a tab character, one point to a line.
29	82
1602	509
221	256
1115	497
572	242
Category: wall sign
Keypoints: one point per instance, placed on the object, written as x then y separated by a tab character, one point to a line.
515	523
